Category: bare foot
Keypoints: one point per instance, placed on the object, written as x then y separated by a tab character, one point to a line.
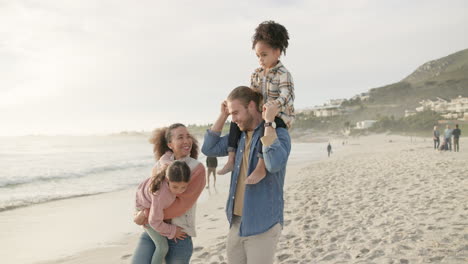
258	174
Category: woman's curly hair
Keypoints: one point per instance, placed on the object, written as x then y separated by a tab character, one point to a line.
162	136
273	34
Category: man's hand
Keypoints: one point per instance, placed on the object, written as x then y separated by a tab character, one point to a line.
224	110
179	234
270	110
223	115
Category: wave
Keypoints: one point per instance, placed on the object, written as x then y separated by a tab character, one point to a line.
20	204
18	181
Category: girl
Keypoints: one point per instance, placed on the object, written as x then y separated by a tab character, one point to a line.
155	194
181	145
273	81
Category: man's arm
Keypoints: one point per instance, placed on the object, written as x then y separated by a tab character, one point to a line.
214	144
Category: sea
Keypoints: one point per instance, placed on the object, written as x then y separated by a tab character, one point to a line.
39	169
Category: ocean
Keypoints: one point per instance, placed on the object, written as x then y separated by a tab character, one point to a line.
38	169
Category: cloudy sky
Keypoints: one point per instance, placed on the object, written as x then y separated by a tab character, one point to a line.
100	66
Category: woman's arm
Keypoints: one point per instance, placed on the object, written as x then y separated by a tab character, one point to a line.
187	199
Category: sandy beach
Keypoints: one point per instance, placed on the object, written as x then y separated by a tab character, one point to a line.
377	199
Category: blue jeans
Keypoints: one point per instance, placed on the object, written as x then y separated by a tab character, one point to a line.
179	252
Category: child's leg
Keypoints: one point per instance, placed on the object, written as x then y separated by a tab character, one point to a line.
260	170
161	245
234	135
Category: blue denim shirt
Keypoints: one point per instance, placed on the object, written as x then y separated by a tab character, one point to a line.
263	202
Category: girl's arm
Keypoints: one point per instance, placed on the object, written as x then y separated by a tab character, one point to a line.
187	199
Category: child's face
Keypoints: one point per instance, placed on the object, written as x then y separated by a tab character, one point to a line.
177	187
267	56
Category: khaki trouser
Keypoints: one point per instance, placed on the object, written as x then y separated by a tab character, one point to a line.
252	249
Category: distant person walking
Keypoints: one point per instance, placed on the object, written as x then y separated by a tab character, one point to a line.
329	149
448	137
436	138
456	138
211	164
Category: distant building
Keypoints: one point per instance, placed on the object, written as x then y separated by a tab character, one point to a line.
327	111
455	109
361	96
409	113
365	124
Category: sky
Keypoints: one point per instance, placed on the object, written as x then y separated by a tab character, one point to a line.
104	66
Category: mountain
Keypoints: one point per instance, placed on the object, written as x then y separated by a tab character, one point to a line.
446	78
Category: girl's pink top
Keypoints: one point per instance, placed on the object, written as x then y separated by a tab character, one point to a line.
156	203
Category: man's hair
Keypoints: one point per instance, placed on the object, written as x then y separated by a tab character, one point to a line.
245	95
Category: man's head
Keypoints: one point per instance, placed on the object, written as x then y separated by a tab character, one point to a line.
244	106
456	125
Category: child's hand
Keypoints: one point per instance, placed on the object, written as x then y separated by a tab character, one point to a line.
179	234
270	110
140	218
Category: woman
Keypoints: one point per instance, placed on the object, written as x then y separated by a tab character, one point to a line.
177	139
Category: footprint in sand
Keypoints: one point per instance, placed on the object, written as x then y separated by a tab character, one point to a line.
283	257
126	256
196	249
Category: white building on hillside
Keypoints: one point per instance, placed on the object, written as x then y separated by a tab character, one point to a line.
456	108
365	124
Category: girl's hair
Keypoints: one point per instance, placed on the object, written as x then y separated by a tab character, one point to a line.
273	34
178	171
162	136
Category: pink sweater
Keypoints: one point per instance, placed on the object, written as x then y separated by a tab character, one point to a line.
156	202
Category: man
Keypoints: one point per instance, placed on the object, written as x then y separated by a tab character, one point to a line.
255	212
456	138
329	149
448	137
211	164
436	138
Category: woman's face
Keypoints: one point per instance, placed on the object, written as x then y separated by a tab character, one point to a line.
181	142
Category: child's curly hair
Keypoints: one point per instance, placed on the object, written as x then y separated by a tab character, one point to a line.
272	33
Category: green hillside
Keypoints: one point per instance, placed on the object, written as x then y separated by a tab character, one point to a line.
446	78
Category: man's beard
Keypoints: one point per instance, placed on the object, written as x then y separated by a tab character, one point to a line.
247	124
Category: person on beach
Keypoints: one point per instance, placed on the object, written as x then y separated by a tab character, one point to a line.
254	212
436	137
329	149
211	164
153	196
456	138
176	139
274	82
448	137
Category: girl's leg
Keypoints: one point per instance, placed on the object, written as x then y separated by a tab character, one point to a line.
260	170
144	250
180	252
161	245
234	136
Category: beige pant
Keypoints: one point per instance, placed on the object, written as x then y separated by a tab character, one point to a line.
252	249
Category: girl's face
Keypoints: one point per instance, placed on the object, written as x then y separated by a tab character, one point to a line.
267	56
177	187
181	142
